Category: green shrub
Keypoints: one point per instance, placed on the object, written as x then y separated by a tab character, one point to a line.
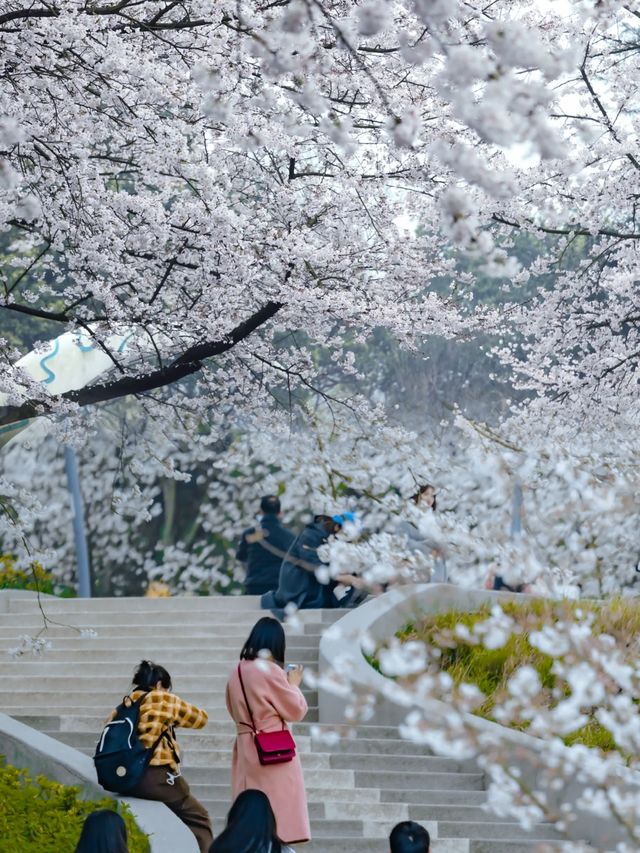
491	669
41	816
36	578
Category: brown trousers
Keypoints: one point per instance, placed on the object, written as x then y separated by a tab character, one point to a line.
178	798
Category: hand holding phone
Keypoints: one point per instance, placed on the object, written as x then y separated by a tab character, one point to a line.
294	673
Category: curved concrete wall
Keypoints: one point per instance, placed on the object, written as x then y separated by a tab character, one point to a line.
25	747
378	620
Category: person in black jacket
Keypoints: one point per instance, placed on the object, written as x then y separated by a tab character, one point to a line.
264	547
304	580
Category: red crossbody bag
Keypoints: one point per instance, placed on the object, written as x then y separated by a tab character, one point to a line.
272	747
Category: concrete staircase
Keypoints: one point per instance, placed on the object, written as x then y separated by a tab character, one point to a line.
357	788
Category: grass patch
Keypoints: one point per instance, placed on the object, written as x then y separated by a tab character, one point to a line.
42	816
491	669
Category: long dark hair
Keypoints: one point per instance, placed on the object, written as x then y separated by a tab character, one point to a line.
268	635
104	831
148	674
420	492
251	826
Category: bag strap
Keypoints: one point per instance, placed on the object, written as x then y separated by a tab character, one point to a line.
166	731
246	701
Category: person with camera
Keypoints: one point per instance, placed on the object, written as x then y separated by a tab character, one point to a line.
160	712
263	696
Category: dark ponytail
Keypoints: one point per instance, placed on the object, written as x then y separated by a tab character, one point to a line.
148	674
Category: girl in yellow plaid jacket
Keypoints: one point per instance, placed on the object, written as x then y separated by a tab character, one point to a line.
160	712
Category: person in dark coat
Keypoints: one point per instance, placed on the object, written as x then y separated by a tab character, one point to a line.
298	583
264	547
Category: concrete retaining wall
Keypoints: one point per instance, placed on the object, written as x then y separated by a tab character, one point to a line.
380	619
28	748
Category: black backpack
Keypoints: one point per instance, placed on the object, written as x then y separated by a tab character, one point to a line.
120	758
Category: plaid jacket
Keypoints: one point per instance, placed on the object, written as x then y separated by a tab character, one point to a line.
161	710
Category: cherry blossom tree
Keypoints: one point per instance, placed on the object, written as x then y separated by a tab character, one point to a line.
227	186
211	178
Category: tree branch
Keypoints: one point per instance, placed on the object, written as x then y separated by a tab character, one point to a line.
184	365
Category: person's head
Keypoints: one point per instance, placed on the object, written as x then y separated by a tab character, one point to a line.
251	826
409	837
327	523
332	524
266	637
425	496
149	676
104	831
270	505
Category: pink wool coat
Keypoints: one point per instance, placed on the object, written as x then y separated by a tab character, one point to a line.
272	699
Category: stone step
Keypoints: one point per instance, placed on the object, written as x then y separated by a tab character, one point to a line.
207	687
362	730
387	763
331	808
215	760
145	643
201	779
86	741
74	722
204	740
208	695
461	813
185	617
496	831
517	846
371	746
231	633
93	718
50	603
247	604
381	845
196	755
188	603
90	722
56	662
433	798
316	795
438	845
397	780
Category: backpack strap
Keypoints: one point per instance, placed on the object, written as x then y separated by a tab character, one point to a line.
166	731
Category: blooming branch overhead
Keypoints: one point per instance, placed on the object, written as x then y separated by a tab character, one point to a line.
208	176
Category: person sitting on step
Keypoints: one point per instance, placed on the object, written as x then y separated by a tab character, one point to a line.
251	827
305	582
409	837
161	711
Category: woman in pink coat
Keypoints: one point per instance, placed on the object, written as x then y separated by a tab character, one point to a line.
275	699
